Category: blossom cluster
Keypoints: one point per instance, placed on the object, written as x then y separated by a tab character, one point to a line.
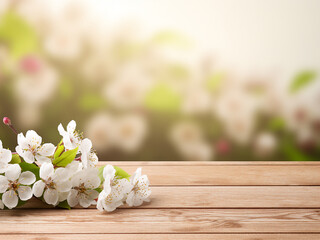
65	175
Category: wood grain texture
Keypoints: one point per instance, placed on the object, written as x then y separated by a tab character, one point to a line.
210	163
230	175
225	197
192	200
161	221
161	236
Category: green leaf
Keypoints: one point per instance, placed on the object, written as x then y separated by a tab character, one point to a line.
294	154
302	80
277	124
100	174
120	173
170	38
15	159
64	204
19	36
30	167
214	82
163	98
65	158
91	101
59	150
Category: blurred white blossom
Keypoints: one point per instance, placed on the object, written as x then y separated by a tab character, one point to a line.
197	100
265	144
128	89
101	129
130	131
36	82
189	140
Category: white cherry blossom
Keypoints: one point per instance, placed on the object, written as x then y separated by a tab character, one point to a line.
130	131
71	138
14	184
141	191
129	88
5	158
186	133
100	129
52	183
114	190
30	148
83	190
197	101
88	156
265	144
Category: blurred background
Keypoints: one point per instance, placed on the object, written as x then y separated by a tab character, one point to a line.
198	80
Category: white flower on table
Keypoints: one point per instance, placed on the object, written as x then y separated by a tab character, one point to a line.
1	205
71	138
15	183
141	191
5	158
83	185
30	148
114	190
88	156
52	183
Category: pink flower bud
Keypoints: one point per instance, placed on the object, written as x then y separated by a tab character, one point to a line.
30	64
223	146
7	121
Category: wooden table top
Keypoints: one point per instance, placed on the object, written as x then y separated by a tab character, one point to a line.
192	200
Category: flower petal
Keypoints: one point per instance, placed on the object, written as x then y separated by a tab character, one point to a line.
51	196
33	138
71	126
27	156
22	141
61	130
63	196
86	202
86	145
3	167
135	177
91	180
42	159
64	186
46	170
46	149
38	188
92	194
60	175
25	193
13	172
109	171
4	183
5	155
130	198
73	198
27	178
1	205
10	199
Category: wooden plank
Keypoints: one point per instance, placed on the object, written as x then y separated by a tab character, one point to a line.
226	197
162	236
210	163
229	175
161	221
